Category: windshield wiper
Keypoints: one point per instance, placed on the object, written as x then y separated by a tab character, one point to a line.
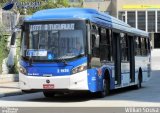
30	60
80	55
62	60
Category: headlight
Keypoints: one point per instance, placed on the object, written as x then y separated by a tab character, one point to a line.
22	70
79	68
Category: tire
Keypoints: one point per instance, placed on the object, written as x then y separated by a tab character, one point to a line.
48	94
106	89
139	85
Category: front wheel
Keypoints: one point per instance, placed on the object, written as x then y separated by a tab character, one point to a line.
105	90
48	94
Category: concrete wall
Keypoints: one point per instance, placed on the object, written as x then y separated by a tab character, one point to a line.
101	6
114	8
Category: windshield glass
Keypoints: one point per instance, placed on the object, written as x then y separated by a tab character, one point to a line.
54	41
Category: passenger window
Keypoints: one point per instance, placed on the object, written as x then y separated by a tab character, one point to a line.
95	41
105	45
148	46
143	48
124	47
137	46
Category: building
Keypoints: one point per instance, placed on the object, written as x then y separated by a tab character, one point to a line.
141	14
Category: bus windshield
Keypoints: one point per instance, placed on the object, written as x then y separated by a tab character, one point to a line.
53	41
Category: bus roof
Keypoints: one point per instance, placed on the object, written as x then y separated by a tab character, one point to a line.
85	14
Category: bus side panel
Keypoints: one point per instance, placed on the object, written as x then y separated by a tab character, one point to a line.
146	69
93	80
111	75
144	64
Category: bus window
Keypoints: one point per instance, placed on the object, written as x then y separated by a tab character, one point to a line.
143	47
95	41
95	59
137	46
124	47
148	46
105	45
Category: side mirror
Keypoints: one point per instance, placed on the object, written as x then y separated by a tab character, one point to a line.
22	27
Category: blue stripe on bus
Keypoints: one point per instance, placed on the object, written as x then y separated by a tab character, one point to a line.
56	69
95	81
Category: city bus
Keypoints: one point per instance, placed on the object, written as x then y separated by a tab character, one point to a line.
111	53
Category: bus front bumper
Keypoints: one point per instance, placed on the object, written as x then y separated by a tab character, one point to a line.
78	81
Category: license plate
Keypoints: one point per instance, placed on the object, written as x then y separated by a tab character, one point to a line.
48	86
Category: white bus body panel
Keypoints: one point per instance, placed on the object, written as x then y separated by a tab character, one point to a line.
142	62
76	81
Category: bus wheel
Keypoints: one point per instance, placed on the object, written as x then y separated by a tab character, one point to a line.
106	89
139	85
48	94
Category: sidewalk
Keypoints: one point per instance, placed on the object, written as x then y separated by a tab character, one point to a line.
9	85
9	89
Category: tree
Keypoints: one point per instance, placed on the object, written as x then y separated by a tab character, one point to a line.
45	4
48	4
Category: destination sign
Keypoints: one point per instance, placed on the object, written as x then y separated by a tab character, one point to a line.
52	27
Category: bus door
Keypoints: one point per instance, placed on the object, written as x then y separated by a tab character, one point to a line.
127	59
117	58
132	58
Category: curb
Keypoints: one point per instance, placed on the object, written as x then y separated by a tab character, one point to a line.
9	78
11	94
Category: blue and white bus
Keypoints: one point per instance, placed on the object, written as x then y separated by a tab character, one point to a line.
111	53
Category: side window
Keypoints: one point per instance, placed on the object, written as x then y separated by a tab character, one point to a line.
95	41
124	47
142	46
137	46
145	46
105	45
148	46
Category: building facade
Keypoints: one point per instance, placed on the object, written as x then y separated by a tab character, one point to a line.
141	14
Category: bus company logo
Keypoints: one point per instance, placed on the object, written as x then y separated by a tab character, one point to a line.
47	81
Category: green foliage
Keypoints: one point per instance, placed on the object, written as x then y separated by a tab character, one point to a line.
45	4
3	46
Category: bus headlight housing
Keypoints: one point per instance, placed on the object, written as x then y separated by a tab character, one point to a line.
22	70
79	68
